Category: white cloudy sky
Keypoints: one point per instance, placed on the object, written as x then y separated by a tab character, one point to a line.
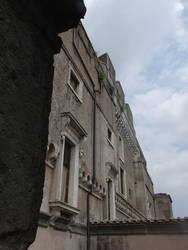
148	43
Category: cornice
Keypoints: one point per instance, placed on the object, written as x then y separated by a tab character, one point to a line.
126	133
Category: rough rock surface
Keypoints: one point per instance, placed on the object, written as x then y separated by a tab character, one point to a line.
28	42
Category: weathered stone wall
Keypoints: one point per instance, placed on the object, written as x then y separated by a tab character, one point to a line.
72	118
163	235
65	100
50	239
144	189
140	242
163	206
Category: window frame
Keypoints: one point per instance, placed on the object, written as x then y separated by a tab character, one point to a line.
121	148
74	133
122	181
110	140
79	92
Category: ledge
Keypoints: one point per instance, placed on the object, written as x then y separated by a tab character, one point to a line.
64	208
126	208
44	219
140	227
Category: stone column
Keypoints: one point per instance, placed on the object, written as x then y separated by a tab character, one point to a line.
28	42
74	177
59	171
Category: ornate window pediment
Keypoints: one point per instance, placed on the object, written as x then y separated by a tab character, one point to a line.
70	124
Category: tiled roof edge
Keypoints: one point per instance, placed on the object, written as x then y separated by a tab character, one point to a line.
146	221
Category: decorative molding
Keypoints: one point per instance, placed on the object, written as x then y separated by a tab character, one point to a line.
44	219
64	208
124	207
51	155
111	170
85	180
139	227
78	228
126	133
61	223
69	121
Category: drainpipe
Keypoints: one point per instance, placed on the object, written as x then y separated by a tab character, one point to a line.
94	133
94	138
154	208
88	219
94	166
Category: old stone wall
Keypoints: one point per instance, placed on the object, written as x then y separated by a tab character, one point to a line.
143	242
48	239
163	206
163	235
92	149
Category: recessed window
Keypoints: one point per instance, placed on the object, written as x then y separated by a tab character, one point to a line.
122	181
109	135
110	201
75	84
130	193
66	170
121	149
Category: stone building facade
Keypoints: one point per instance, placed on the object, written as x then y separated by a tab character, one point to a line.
95	168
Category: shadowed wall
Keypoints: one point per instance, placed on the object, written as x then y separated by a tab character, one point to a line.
28	41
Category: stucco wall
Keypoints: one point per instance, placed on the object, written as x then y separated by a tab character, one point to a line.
50	239
140	235
140	242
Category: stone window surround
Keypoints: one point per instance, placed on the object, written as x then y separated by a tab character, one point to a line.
112	208
122	180
74	132
123	167
121	148
110	141
111	173
79	93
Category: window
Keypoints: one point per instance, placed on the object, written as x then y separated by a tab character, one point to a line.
75	84
121	149
122	181
110	200
66	170
109	193
64	195
109	135
130	193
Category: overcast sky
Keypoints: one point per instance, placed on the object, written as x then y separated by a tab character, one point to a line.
148	44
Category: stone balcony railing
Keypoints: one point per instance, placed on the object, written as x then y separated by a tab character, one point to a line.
124	207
